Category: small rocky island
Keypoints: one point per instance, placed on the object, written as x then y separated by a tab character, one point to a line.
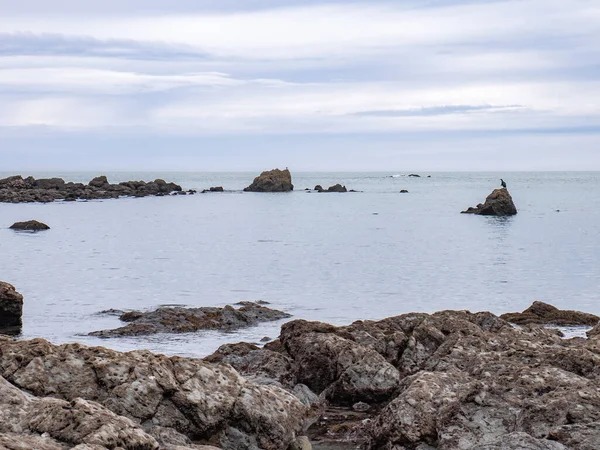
272	181
30	225
498	203
186	320
17	189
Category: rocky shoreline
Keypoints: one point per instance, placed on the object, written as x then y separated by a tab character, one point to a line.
452	380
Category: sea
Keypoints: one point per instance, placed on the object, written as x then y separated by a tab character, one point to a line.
330	257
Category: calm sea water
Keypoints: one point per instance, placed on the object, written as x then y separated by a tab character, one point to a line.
329	257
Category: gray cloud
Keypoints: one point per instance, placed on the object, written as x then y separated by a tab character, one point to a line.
49	44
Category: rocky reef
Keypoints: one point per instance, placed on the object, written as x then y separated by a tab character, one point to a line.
272	181
11	309
453	380
17	189
498	203
30	225
543	313
72	396
335	188
185	320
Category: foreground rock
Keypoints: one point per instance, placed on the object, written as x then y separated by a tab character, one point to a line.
498	203
11	309
272	181
185	320
453	380
30	225
16	189
106	399
543	313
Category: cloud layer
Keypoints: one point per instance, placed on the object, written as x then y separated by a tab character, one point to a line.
209	70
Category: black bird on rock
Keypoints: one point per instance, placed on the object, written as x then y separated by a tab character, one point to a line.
503	184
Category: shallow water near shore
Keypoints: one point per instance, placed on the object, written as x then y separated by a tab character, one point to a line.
330	257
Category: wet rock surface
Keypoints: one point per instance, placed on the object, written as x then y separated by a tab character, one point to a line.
67	395
17	189
498	203
543	313
30	225
11	309
272	181
452	380
185	320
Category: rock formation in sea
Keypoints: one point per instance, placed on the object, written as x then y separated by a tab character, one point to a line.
498	203
335	188
543	313
92	398
185	320
11	309
272	181
453	380
16	189
213	189
30	225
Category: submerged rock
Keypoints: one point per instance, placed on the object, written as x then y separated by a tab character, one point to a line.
272	181
138	400
185	320
543	313
498	203
11	309
18	190
30	225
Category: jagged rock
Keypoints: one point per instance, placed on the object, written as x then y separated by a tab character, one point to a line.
272	181
335	188
498	203
11	309
522	441
194	398
185	320
18	190
543	313
30	225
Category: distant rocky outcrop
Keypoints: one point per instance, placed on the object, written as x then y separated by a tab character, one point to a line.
91	398
335	188
213	189
30	225
11	309
17	189
185	320
498	203
272	181
404	191
414	175
543	313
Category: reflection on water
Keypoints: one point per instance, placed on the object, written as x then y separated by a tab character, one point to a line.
318	256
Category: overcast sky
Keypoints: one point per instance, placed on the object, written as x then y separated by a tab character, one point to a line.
313	85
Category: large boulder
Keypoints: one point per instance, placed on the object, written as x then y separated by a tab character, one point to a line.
186	320
99	182
141	397
30	225
498	203
11	309
543	313
272	181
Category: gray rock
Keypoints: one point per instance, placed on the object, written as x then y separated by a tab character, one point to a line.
11	309
498	203
272	181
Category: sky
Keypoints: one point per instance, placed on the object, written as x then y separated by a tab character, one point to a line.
312	85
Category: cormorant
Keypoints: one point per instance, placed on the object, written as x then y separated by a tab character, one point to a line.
503	183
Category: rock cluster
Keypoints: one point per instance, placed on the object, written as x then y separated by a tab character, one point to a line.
11	309
498	203
185	320
453	380
17	189
272	181
335	188
73	396
213	189
543	313
30	225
